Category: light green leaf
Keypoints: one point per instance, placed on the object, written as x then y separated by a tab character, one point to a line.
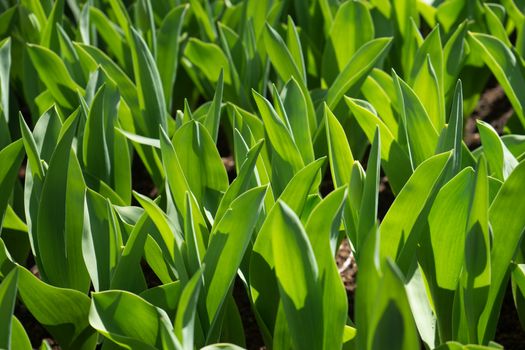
111	311
101	240
60	216
186	310
394	159
229	240
5	68
420	132
298	277
47	304
501	161
351	28
52	71
357	68
10	157
505	66
339	152
149	87
8	289
209	58
168	49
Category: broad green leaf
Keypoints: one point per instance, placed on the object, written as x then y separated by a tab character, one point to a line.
280	56
507	232
49	36
420	132
213	117
8	289
168	49
400	233
165	296
351	28
262	282
52	71
110	315
5	68
149	87
229	240
453	138
209	58
170	239
298	278
323	233
204	16
101	240
60	216
505	66
47	304
475	278
369	202
19	338
392	325
339	152
241	182
429	89
294	45
201	164
296	109
282	142
518	289
110	33
10	157
105	153
394	159
454	56
357	68
501	161
186	310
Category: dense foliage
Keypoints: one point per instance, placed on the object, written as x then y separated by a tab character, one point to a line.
302	95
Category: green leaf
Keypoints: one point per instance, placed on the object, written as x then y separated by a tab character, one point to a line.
505	66
201	164
5	68
149	87
8	289
229	240
518	289
323	233
351	28
101	240
280	56
282	142
392	325
369	202
209	58
507	232
19	338
501	161
10	157
298	277
453	139
420	132
49	36
111	311
52	71
47	304
400	233
213	117
168	49
339	152
475	278
394	159
357	68
296	109
60	217
186	310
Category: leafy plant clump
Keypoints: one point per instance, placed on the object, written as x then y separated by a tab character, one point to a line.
155	154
